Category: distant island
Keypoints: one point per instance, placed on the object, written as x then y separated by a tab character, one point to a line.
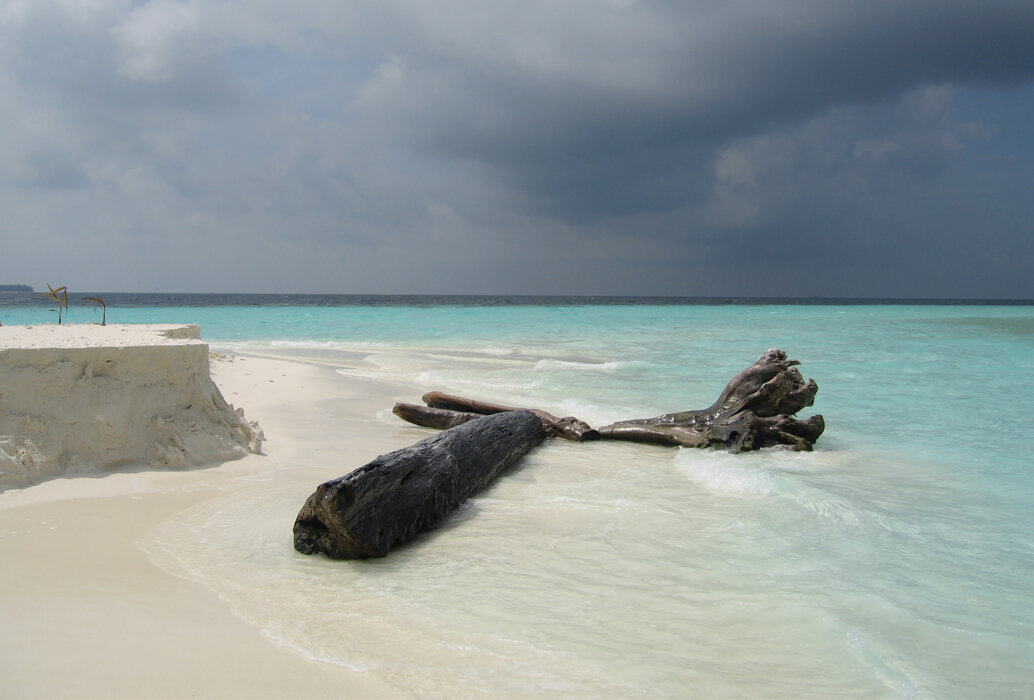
15	288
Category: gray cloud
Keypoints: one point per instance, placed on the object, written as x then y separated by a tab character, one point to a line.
577	147
612	103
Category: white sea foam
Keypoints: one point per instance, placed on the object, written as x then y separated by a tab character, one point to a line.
499	351
589	572
567	365
332	344
724	473
455	382
590	412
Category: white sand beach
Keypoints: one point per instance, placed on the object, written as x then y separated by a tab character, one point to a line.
87	613
604	570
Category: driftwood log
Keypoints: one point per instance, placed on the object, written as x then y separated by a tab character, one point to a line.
755	410
445	411
398	495
403	493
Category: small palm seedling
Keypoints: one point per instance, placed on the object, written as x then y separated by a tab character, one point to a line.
104	308
60	297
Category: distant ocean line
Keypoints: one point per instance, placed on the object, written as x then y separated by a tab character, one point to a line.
199	299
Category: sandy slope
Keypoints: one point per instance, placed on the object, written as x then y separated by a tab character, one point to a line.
87	614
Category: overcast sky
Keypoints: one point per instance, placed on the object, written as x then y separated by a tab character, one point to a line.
797	148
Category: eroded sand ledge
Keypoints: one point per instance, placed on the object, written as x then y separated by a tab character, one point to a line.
82	398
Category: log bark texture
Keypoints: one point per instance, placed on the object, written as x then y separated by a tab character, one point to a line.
755	410
400	494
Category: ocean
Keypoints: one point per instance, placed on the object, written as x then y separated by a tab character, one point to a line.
896	560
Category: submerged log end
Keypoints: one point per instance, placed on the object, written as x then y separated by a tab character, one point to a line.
320	529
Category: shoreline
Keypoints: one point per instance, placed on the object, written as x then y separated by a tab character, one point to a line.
91	614
597	570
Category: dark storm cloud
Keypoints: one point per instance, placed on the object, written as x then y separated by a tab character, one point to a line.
578	139
588	146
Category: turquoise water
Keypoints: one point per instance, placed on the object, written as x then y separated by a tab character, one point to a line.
894	561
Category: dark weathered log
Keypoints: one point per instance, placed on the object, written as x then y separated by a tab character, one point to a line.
449	402
428	417
753	412
567	428
405	492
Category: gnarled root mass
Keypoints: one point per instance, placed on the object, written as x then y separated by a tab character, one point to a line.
755	410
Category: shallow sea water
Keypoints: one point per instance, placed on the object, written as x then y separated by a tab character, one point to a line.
893	561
